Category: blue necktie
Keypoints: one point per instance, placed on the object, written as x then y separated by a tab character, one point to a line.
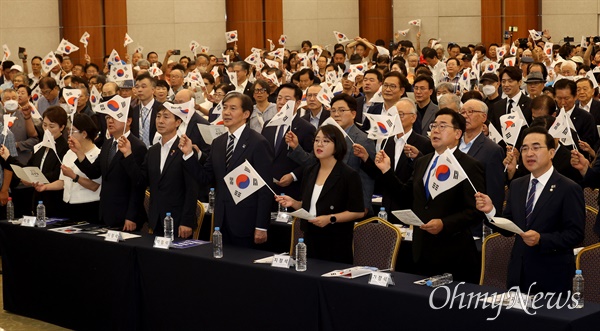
427	194
279	137
529	203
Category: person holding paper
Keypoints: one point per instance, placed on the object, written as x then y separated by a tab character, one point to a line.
81	195
445	242
245	223
550	209
332	191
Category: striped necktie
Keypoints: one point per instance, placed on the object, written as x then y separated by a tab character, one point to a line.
229	150
529	203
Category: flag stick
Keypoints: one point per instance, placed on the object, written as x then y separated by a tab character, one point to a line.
58	157
386	140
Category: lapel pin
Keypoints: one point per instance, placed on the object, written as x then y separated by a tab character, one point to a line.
172	152
552	188
244	146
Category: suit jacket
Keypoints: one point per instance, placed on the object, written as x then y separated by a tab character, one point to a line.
24	142
428	117
340	192
283	165
558	216
595	111
324	115
135	122
585	124
499	109
561	163
306	159
358	119
592	179
453	249
171	190
254	211
403	171
119	198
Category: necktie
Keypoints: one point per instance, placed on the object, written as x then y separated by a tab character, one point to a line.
279	137
510	106
144	130
229	150
112	151
529	203
427	194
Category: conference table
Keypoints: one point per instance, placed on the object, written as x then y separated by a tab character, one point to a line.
82	282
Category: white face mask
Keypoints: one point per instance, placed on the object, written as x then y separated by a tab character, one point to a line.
439	96
11	105
488	90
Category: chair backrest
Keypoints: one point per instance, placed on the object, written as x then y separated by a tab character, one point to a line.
591	197
495	255
590	236
200	218
588	261
296	234
376	243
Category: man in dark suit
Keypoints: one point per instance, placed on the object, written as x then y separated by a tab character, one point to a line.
316	113
585	98
343	112
585	125
444	243
287	172
172	188
550	209
143	124
372	81
246	222
475	144
511	83
591	176
424	87
243	85
121	203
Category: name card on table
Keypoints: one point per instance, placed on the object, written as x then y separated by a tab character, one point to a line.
379	278
28	221
282	217
114	236
162	242
282	261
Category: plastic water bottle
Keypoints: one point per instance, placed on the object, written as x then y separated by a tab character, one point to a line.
10	210
436	281
168	226
382	214
40	220
301	255
282	209
211	201
217	243
486	230
578	283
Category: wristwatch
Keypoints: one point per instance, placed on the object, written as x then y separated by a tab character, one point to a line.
332	219
76	179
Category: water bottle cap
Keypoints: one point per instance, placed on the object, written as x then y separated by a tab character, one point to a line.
282	194
382	208
9	199
300	240
212	189
168	214
429	283
40	202
217	228
578	272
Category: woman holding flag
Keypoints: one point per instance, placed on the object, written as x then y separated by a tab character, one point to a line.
332	192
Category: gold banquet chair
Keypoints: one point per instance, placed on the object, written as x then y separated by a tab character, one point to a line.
588	261
590	196
495	255
376	243
589	236
200	218
297	233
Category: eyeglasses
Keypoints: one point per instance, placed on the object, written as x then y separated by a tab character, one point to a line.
45	92
405	114
311	95
338	110
441	126
469	112
260	90
390	86
534	148
323	142
220	95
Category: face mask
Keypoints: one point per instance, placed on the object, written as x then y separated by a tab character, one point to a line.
439	97
11	105
488	90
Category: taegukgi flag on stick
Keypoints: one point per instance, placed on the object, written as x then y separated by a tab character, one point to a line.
85	39
127	40
331	121
494	135
48	141
71	96
5	52
185	111
511	126
243	181
447	174
341	37
49	62
231	36
561	129
285	116
66	48
117	108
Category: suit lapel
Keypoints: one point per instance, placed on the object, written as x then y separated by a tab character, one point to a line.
549	188
333	177
477	145
427	117
240	147
170	157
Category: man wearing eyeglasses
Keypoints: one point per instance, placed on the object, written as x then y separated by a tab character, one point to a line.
444	243
475	144
550	210
50	90
316	113
393	88
423	88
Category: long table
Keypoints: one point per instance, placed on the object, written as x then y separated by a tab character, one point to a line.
81	282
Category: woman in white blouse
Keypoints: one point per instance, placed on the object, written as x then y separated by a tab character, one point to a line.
81	194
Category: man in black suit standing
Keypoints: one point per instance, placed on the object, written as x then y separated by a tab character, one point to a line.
511	83
121	203
475	144
585	125
243	85
372	81
585	98
143	124
172	188
316	113
444	243
245	223
550	209
287	173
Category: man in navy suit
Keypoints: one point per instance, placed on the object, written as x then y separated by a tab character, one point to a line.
490	154
585	125
550	209
286	172
121	203
172	189
143	124
511	83
316	113
245	223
